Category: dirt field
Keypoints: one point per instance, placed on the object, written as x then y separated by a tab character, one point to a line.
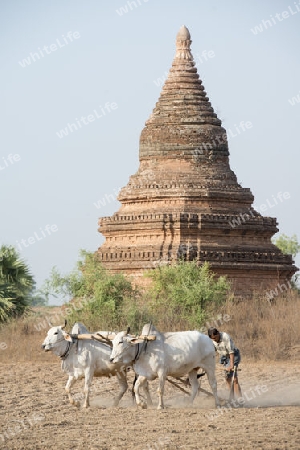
35	413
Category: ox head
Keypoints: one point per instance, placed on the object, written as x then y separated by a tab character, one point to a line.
123	347
54	337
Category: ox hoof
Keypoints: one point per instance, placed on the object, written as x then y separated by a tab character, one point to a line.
75	403
143	405
221	402
160	407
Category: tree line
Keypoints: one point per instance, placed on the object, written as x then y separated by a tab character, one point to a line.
182	290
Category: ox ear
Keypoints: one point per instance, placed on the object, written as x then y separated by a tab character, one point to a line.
128	330
67	336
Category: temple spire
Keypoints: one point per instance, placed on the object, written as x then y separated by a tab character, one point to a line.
182	109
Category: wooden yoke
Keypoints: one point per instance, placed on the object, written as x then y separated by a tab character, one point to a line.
141	339
109	337
97	337
146	337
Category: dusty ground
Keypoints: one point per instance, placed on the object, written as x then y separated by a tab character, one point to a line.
35	413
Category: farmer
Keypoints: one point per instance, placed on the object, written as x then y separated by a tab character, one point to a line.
229	356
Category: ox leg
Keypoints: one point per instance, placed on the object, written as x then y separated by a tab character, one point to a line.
122	379
71	381
194	384
87	385
160	390
145	387
210	370
147	393
140	383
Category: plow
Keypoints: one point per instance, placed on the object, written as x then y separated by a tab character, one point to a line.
186	382
178	382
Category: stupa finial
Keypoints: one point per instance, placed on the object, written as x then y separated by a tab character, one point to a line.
183	34
183	44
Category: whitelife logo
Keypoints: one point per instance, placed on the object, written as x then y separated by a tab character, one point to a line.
37	236
294	100
107	199
243	217
132	5
86	120
47	49
9	160
279	17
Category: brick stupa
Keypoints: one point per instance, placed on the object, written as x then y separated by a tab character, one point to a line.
185	201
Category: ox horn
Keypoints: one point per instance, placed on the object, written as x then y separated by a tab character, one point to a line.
128	330
64	326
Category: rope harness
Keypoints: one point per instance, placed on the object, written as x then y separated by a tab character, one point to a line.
143	346
137	354
68	349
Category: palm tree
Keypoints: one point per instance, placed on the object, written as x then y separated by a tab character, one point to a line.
6	306
16	283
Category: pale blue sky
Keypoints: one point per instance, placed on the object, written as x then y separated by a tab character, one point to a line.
116	59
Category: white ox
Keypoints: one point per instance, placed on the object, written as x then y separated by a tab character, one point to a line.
84	359
174	354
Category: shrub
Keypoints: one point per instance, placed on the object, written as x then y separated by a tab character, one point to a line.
99	299
184	293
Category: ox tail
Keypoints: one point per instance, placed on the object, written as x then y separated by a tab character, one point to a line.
187	381
132	389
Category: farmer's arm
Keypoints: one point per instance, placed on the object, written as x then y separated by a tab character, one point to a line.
231	356
230	349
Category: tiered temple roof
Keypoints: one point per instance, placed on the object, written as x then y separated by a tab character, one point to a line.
185	201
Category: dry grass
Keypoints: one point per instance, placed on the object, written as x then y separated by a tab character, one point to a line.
266	330
22	340
262	330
